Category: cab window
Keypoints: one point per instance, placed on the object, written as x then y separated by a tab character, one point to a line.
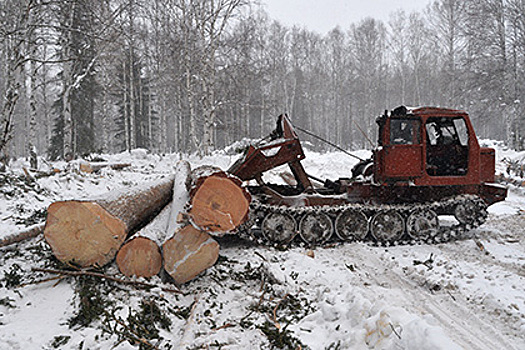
404	131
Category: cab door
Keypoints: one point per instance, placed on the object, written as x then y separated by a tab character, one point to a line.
403	151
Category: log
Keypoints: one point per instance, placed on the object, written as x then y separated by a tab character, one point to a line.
92	167
90	232
188	253
22	235
219	203
181	196
140	256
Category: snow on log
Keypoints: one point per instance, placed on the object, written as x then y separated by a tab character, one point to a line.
219	203
181	196
188	253
140	256
90	232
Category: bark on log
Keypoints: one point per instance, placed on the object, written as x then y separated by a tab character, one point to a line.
219	203
140	256
188	253
90	232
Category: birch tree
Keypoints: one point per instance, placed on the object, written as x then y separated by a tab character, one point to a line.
16	33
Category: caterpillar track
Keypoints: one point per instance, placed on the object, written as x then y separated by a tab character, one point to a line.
386	225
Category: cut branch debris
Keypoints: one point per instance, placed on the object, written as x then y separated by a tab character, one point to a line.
107	277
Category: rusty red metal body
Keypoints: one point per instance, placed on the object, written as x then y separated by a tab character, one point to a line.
424	154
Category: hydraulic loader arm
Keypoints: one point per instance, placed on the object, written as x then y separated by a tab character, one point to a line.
283	147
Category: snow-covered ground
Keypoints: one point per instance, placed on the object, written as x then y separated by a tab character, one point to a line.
468	294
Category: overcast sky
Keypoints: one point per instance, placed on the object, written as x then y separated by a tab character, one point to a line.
324	15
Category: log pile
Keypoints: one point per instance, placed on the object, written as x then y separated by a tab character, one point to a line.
188	209
90	232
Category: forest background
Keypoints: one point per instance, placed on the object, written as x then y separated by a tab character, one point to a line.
86	76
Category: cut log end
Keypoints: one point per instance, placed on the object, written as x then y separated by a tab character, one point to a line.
83	233
188	253
219	204
139	257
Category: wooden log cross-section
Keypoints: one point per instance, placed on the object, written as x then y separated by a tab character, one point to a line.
219	203
90	232
140	256
188	253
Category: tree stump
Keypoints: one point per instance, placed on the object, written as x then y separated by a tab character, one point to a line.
90	232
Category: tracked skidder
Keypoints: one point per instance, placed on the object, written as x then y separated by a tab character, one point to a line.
428	180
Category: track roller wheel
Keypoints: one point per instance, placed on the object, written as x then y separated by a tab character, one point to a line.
387	226
278	228
351	225
465	212
315	228
422	224
471	212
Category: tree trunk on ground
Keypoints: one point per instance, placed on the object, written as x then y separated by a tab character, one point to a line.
188	253
92	167
181	196
219	204
140	255
22	235
90	232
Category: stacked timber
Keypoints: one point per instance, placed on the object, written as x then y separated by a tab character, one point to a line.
90	232
204	202
212	209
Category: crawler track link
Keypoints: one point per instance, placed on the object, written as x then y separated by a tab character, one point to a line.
385	225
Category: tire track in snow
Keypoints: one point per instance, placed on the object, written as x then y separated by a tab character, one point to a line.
456	318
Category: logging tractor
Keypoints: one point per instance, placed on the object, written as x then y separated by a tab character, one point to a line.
428	180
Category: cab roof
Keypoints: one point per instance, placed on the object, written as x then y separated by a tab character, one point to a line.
419	111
